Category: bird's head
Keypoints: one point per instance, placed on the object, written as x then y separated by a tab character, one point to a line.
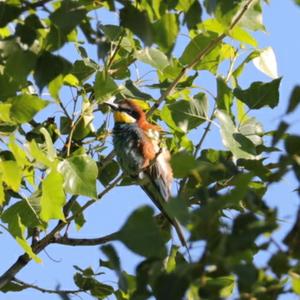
126	111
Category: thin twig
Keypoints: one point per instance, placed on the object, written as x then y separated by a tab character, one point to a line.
117	48
44	290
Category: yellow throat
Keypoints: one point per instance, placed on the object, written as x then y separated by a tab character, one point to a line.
123	117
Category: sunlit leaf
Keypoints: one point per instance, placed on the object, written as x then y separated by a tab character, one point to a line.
80	174
237	143
295	277
266	62
185	115
53	197
12	174
210	61
153	57
25	107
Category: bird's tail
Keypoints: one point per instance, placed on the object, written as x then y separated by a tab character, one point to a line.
160	206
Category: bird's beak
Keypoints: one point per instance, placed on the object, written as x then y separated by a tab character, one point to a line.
111	103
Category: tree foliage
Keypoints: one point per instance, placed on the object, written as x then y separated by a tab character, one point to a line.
52	153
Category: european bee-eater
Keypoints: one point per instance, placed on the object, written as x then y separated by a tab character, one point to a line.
140	153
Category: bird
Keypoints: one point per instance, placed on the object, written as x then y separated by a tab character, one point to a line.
141	155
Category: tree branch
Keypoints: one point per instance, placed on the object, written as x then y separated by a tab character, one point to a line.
63	240
28	5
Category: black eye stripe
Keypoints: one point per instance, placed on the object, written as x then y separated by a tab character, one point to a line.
130	112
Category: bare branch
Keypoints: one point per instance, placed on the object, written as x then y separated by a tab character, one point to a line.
64	240
44	290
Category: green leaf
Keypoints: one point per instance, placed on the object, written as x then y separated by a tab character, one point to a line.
210	61
294	99
166	31
260	94
141	234
111	254
24	62
224	95
77	212
18	152
253	18
16	217
226	10
295	277
55	66
25	107
183	164
98	289
38	154
13	287
131	16
68	16
266	62
8	13
82	71
252	130
243	36
183	115
54	87
225	284
12	174
108	173
292	144
53	197
104	86
178	208
237	143
51	152
192	16
80	174
5	113
153	57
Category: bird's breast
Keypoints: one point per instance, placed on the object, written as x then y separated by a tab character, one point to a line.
127	139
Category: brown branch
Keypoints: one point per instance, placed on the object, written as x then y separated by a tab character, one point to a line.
44	290
64	240
197	59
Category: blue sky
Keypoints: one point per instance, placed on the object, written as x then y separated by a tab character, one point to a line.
282	18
